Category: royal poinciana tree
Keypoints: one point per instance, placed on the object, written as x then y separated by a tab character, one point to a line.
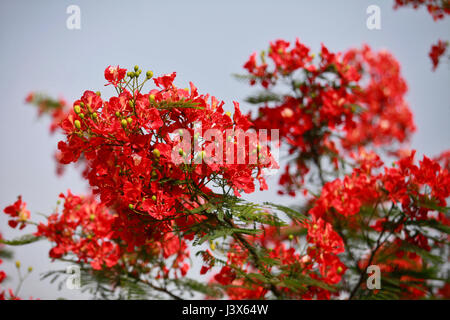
164	189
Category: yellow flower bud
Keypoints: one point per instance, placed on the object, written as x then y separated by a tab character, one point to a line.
77	124
77	109
156	153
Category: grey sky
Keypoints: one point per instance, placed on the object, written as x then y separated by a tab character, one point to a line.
205	42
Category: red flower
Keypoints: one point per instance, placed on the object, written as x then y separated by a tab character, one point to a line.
18	212
436	52
114	75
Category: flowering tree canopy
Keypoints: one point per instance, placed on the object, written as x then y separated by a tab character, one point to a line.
168	169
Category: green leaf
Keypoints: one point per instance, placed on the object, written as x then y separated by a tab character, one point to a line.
26	239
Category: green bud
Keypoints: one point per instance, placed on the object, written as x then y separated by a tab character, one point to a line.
156	153
98	93
339	269
131	206
129	120
151	98
117	114
82	104
131	103
124	123
94	115
136	68
81	115
30	269
77	124
149	74
291	237
180	152
17	264
153	197
77	109
92	217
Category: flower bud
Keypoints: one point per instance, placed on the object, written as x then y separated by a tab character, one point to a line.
156	153
81	115
131	206
82	104
124	123
77	109
17	264
30	269
291	237
151	98
98	93
136	68
92	217
117	114
339	269
129	120
153	197
77	124
149	74
94	115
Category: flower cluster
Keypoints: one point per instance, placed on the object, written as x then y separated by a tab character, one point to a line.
342	102
129	143
437	51
84	228
438	9
18	213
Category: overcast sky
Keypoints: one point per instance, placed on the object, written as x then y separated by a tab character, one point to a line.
205	42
